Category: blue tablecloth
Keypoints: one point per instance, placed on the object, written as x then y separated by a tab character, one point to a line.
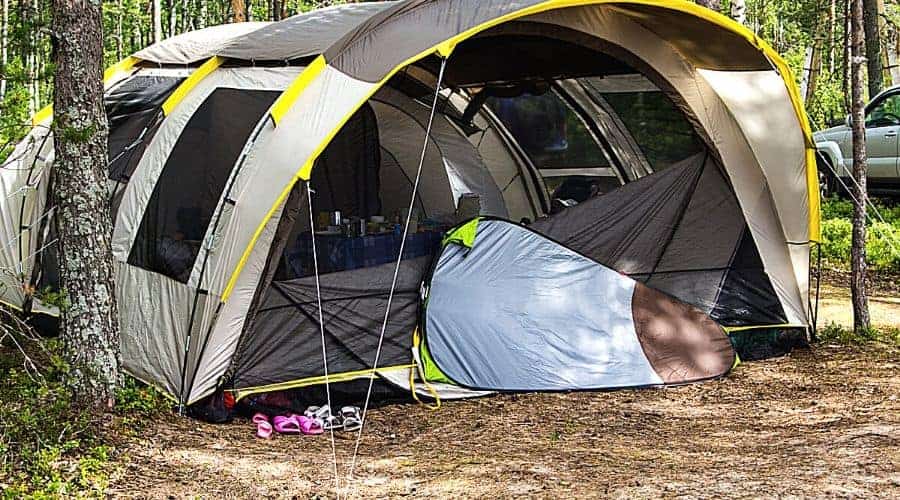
342	253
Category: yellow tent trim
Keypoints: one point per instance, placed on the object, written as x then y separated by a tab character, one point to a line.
306	382
188	84
111	72
446	47
733	329
286	99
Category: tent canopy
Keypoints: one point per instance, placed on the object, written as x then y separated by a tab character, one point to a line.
536	112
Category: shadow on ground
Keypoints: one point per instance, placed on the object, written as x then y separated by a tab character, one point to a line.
821	422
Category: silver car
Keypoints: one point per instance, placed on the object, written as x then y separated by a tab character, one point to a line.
835	147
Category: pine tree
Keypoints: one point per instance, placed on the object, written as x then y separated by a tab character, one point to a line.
90	322
858	244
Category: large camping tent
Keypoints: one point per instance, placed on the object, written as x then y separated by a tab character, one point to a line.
598	188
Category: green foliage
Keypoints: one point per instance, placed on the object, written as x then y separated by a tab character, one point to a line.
883	238
56	298
49	447
836	334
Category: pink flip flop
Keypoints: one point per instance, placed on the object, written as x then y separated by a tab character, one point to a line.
263	427
288	425
311	426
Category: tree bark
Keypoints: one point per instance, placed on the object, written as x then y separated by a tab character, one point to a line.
239	11
90	321
873	47
858	244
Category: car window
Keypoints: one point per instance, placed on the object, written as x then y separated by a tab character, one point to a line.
886	113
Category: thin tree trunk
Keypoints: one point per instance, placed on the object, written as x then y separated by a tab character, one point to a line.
120	41
171	7
239	11
715	5
873	47
89	323
4	50
739	11
36	58
832	34
858	244
892	51
848	27
157	21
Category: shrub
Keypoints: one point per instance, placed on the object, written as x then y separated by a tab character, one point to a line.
883	242
48	447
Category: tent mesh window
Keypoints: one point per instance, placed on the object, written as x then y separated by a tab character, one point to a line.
660	129
281	342
192	181
559	144
130	109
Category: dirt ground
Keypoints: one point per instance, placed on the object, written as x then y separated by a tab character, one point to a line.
822	422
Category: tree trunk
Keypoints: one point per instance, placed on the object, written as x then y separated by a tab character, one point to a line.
120	37
157	21
172	9
848	27
4	50
739	11
858	245
37	59
239	10
873	47
90	322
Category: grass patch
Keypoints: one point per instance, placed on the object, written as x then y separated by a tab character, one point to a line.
48	447
837	334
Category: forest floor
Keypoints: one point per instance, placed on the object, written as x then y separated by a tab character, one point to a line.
823	421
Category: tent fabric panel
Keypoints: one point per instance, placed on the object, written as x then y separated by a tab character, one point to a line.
24	179
401	378
302	35
194	46
780	148
385	41
153	338
450	159
726	135
284	342
626	228
178	214
520	312
505	167
681	343
677	231
250	187
225	333
301	135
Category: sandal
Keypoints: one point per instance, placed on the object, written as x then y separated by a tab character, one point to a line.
352	419
288	425
323	413
263	426
310	426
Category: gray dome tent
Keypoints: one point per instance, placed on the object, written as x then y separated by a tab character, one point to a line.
649	162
